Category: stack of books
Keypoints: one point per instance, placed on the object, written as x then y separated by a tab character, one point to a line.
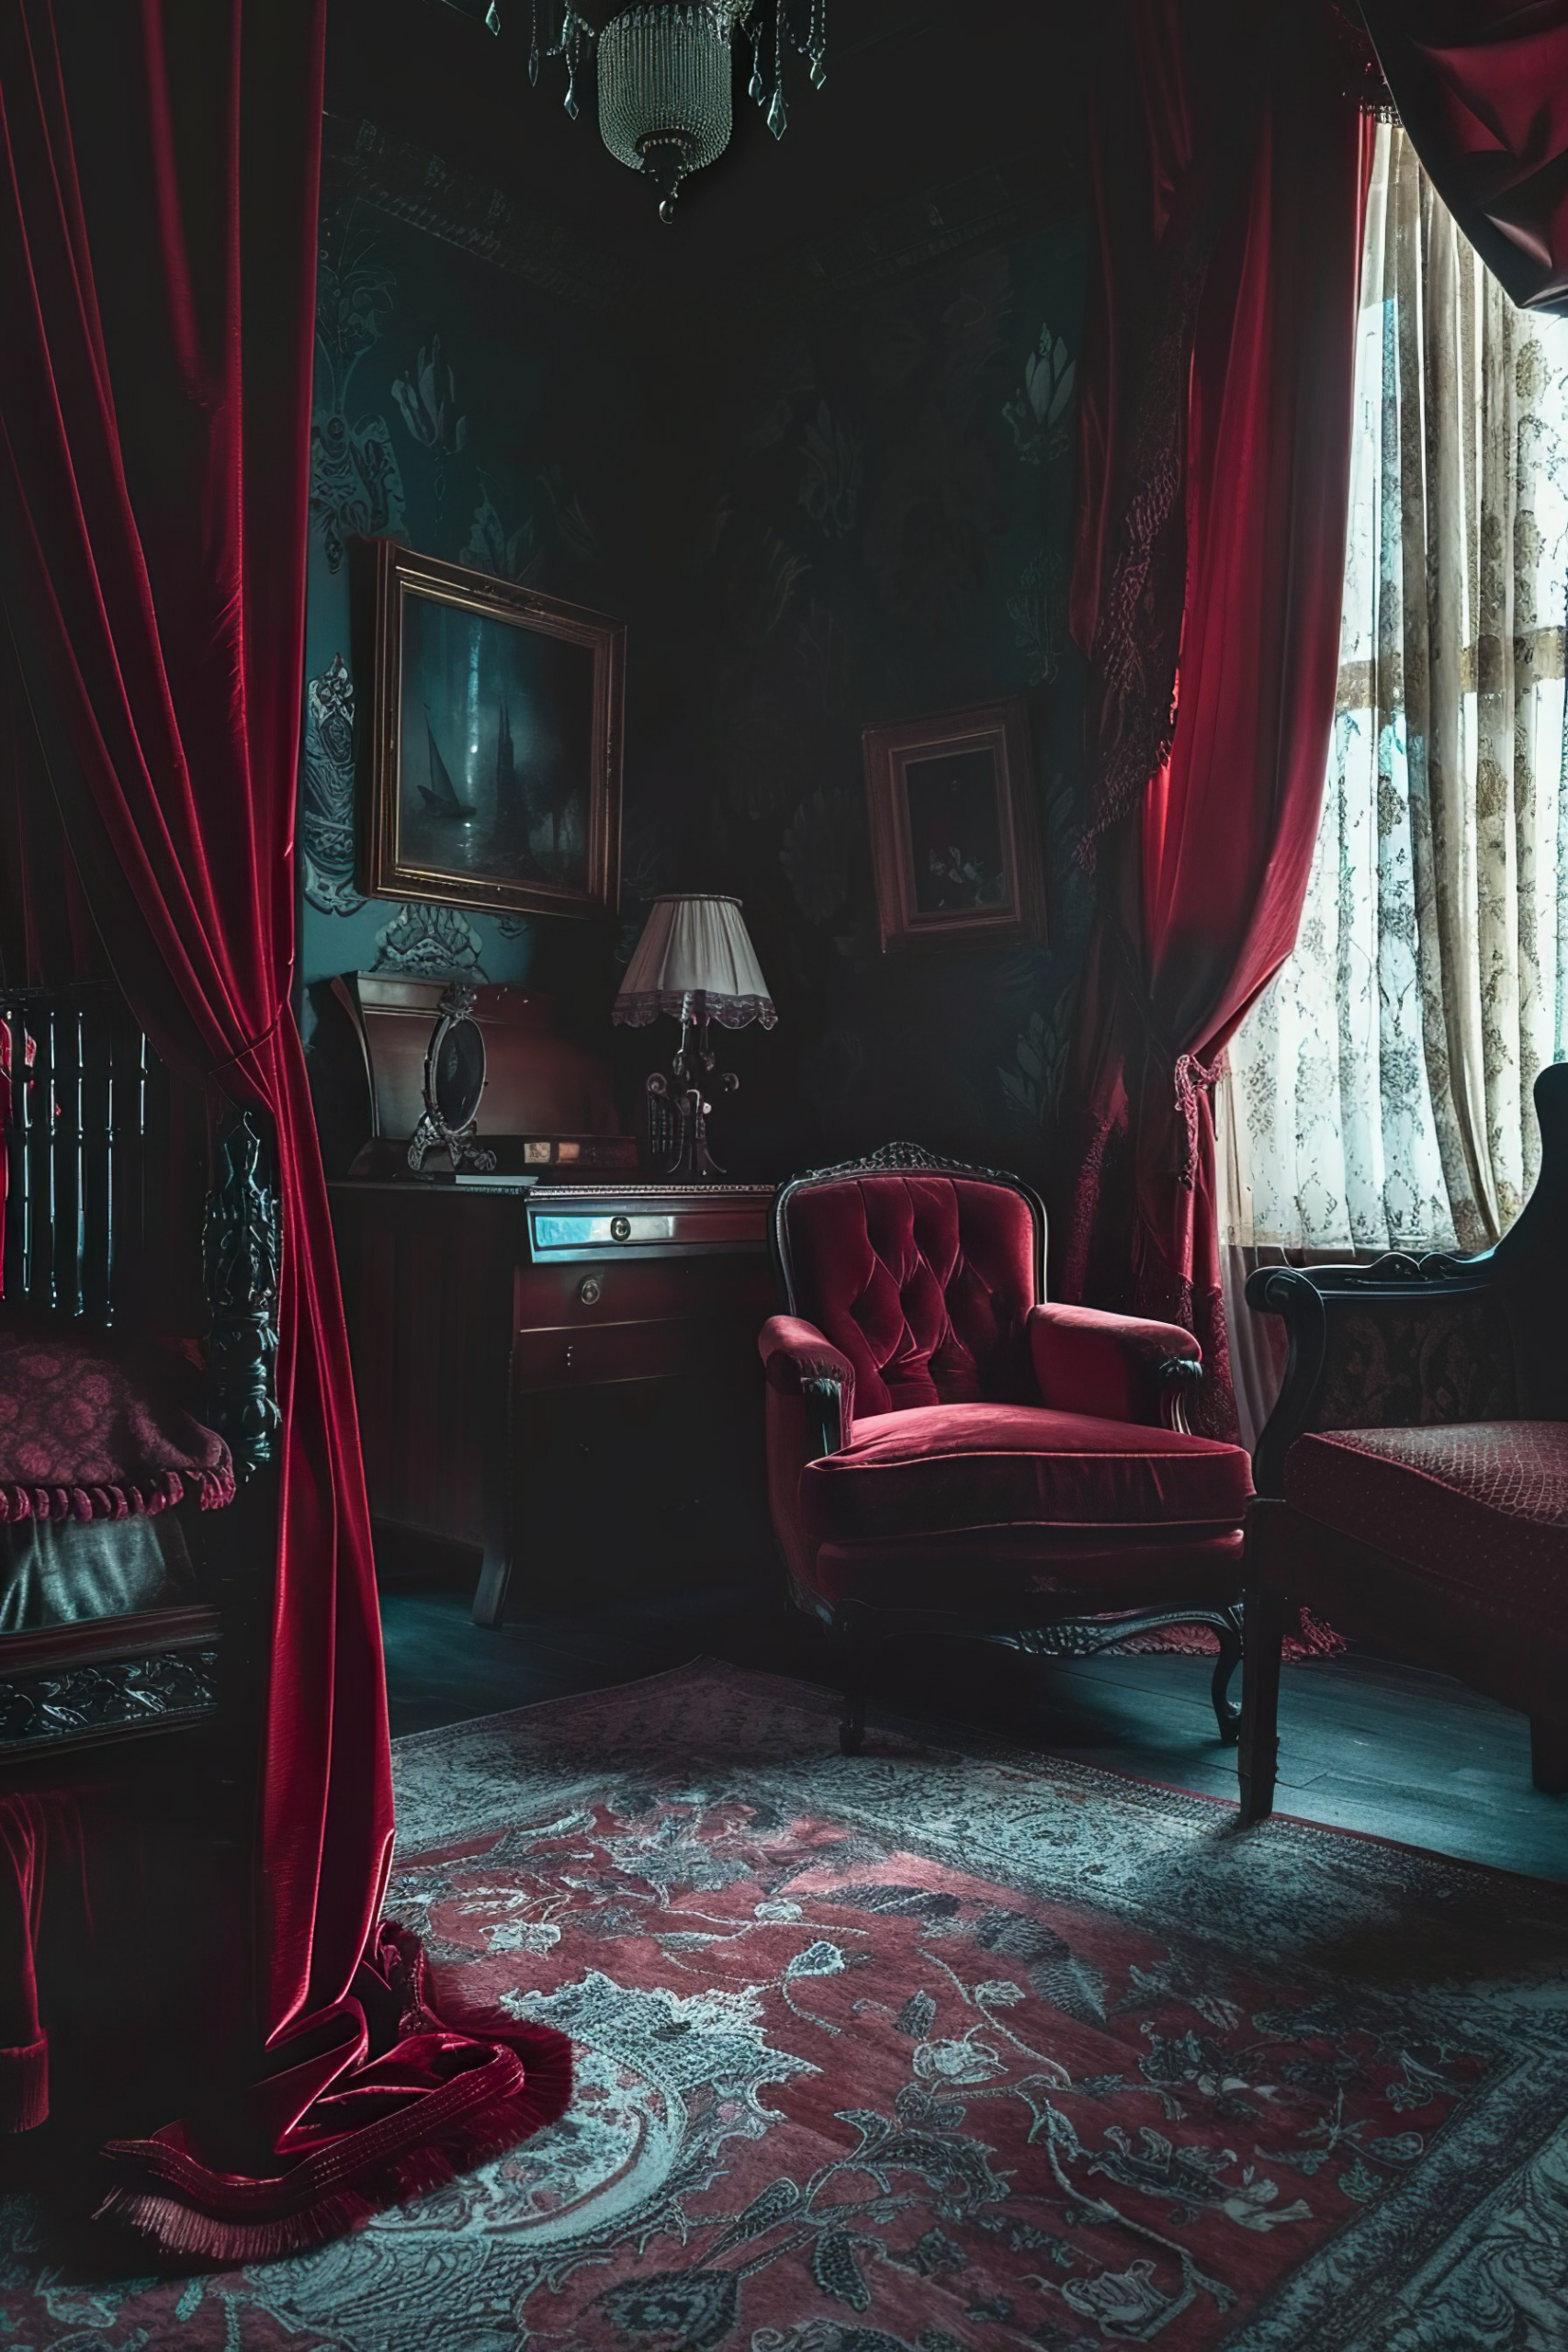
570	1152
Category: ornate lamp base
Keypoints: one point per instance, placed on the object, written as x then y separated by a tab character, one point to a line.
693	1072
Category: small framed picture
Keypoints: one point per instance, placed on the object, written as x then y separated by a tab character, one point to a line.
494	769
954	845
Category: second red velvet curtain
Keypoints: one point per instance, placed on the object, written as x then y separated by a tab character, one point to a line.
1230	173
1482	87
158	184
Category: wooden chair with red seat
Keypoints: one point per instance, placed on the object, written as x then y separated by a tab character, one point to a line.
949	1454
1413	1478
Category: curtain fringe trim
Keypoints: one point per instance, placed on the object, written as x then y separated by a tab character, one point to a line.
177	2228
144	1498
1312	1639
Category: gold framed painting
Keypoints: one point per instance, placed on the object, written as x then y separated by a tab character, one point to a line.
494	776
955	846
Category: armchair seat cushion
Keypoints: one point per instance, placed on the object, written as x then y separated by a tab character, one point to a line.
1478	1505
949	1467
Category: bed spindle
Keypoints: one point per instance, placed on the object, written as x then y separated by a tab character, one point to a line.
46	1146
113	1100
18	1158
139	1154
96	1178
124	1194
72	1142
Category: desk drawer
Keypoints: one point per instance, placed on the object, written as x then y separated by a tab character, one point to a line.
605	1290
567	1230
608	1352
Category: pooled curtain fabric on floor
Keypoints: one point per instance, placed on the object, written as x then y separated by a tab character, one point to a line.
1214	445
1380	1093
158	184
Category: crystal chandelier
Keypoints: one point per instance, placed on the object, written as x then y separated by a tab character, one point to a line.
665	69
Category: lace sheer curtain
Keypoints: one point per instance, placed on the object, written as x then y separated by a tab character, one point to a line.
1379	1093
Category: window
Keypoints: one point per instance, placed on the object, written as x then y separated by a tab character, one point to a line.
1380	1091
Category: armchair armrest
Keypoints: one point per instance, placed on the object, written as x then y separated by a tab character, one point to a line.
800	1362
1405	1343
1117	1367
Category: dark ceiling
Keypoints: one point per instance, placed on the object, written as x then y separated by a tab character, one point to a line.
921	96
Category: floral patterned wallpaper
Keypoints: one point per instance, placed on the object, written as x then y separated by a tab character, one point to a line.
850	518
884	494
440	389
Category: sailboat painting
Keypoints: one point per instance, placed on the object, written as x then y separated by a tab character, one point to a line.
495	760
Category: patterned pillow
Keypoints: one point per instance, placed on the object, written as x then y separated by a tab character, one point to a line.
91	1428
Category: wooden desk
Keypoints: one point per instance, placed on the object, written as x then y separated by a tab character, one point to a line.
464	1302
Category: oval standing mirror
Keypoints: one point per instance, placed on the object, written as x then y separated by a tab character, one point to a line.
454	1083
459	1077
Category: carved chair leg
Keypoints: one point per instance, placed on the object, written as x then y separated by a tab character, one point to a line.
1549	1755
849	1649
1227	1714
1263	1614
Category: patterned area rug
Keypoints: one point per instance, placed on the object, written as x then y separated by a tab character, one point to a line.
954	2051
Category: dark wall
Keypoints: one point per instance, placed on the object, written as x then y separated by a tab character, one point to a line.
874	523
465	412
854	516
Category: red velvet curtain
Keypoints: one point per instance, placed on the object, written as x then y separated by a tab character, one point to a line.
46	932
159	164
1482	87
1230	175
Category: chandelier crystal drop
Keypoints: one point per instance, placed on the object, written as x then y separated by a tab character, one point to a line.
666	69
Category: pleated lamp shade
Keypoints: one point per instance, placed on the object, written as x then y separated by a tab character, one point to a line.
695	962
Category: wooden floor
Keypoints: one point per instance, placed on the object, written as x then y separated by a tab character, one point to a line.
1364	1744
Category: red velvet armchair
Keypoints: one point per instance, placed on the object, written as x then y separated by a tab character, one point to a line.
948	1453
1413	1475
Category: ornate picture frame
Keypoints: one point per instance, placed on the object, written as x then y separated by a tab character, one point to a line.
493	775
955	840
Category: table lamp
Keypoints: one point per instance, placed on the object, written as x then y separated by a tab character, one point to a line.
696	963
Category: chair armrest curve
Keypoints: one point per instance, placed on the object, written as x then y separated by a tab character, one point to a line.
1115	1367
798	1361
1405	1343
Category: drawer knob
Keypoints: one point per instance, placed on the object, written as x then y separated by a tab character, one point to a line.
588	1290
620	1229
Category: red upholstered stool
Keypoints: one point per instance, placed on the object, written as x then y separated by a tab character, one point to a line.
1413	1475
1482	1508
947	1452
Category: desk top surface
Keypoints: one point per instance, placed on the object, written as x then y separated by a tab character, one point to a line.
567	1224
540	1190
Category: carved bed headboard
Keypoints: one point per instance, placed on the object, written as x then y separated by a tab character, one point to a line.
91	1132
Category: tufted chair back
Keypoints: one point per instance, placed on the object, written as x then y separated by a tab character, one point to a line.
923	1278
